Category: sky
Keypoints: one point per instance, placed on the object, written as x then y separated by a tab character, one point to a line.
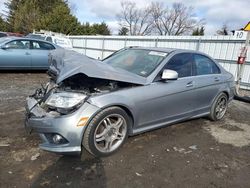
235	14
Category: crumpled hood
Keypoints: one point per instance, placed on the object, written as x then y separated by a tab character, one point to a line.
66	63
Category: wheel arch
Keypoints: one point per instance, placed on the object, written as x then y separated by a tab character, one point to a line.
129	113
227	94
221	91
124	107
211	114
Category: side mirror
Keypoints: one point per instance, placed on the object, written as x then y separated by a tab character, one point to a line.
169	75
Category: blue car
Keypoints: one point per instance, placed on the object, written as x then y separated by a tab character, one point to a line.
24	53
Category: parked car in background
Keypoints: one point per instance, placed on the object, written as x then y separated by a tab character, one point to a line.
6	34
35	36
95	104
15	34
23	53
61	41
3	34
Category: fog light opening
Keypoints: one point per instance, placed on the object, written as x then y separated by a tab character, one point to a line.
54	138
57	139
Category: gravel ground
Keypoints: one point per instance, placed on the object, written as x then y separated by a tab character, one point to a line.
197	153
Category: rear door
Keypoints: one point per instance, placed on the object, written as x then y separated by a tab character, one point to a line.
16	55
208	82
40	51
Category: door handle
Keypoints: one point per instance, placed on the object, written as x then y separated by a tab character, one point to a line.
216	79
190	84
27	53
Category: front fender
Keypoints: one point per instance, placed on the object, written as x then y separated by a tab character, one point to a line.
115	99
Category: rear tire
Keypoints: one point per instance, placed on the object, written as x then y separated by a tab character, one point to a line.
219	107
106	132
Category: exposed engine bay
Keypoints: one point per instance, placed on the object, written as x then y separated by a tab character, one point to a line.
78	83
91	86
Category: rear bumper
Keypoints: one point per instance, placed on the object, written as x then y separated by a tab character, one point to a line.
47	125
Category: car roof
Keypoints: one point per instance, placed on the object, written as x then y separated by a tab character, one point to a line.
168	50
9	38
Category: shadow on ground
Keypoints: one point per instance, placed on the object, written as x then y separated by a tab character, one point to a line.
70	171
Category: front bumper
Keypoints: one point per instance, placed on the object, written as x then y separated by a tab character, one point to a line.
45	124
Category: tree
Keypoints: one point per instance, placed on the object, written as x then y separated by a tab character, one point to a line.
123	31
199	31
55	15
177	20
157	18
27	17
86	29
101	29
94	29
136	20
12	6
3	24
224	30
158	13
60	20
202	30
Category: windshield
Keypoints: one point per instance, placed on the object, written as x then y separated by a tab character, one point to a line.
138	61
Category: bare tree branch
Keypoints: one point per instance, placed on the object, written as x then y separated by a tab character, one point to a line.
176	20
136	20
224	30
158	19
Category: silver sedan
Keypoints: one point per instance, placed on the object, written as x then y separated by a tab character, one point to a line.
23	53
96	105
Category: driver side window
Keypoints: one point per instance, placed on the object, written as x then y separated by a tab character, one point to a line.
182	64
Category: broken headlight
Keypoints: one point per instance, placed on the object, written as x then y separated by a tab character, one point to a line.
64	99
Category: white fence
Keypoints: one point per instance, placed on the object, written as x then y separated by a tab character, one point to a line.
225	49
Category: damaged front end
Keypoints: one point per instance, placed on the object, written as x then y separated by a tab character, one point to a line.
60	111
66	97
57	115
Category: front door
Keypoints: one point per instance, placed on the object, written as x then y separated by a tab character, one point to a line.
167	101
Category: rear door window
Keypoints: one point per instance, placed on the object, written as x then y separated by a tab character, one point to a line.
204	65
42	45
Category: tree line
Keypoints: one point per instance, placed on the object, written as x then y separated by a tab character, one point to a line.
24	16
157	18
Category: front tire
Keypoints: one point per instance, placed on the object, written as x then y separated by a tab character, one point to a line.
219	107
106	132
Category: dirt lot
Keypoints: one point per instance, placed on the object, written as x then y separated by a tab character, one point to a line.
197	153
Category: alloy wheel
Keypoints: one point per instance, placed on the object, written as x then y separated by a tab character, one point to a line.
221	107
110	133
